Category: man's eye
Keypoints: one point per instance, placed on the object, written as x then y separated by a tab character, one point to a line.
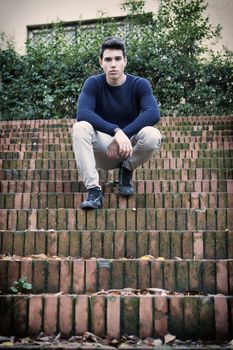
118	58
108	59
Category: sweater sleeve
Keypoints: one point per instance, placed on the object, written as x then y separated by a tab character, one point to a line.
86	108
149	114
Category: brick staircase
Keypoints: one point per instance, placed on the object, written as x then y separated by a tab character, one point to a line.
175	233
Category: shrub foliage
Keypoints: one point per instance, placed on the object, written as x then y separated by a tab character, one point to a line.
170	47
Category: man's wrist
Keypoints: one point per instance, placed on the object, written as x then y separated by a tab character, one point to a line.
115	131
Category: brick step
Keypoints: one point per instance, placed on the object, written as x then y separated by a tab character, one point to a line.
116	244
68	140
166	163
210	146
186	200
181	130
142	187
117	219
148	175
189	317
164	124
193	154
79	276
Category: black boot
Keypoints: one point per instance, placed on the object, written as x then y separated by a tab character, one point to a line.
94	199
125	182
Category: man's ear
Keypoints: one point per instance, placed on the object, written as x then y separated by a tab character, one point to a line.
100	62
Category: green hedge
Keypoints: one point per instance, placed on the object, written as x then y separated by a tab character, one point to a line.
167	47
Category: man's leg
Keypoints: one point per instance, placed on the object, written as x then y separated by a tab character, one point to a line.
90	148
145	143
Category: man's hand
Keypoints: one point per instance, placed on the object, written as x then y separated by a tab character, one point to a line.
124	144
113	150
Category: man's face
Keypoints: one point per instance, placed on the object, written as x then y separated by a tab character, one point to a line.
113	64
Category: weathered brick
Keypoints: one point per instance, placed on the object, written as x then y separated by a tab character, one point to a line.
113	317
97	308
6	325
146	316
35	314
131	314
78	276
66	315
81	314
50	314
176	320
65	276
91	276
160	316
53	267
20	315
118	275
221	317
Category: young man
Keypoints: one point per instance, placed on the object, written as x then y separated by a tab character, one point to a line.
114	129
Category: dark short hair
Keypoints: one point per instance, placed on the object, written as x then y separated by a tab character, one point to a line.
112	42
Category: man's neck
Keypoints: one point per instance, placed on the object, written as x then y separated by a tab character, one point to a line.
117	82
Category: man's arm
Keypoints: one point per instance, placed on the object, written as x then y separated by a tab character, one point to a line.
149	115
86	108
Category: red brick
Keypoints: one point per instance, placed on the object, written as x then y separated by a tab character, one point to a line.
187	245
142	243
169	275
13	272
154	243
98	314
91	276
146	316
143	274
52	243
156	274
195	270
130	219
78	276
108	244
131	314
198	245
71	219
209	277
38	276
20	315
35	314
104	274
7	242
182	278
113	317
176	308
221	317
160	316
61	219
141	219
66	315
86	244
161	219
222	277
131	273
26	270
63	243
18	247
176	238
50	314
131	244
5	315
118	281
206	319
100	220
53	276
96	238
52	219
12	220
29	243
65	276
165	245
191	319
111	219
81	314
3	219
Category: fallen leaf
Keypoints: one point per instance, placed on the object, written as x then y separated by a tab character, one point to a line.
160	258
147	257
7	343
39	256
169	338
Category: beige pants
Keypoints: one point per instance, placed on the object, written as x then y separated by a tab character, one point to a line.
90	149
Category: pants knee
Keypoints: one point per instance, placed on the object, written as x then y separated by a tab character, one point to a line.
81	128
152	138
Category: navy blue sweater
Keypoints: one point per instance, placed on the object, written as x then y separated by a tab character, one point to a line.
130	106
